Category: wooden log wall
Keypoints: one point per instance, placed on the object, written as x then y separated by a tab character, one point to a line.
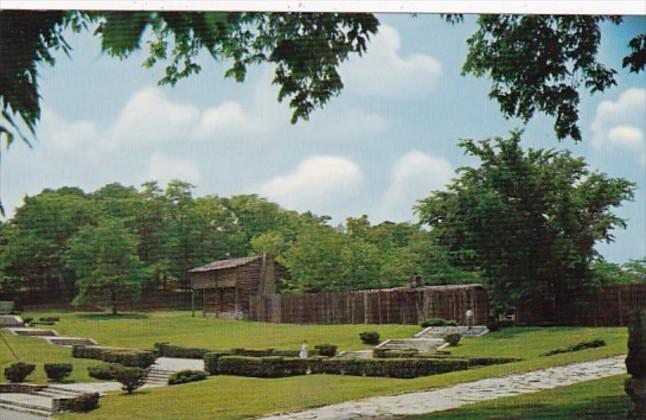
609	306
377	306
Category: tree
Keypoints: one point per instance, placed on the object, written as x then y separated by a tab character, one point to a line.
306	49
106	262
539	63
528	219
536	63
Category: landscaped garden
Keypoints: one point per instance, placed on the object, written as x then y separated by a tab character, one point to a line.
220	396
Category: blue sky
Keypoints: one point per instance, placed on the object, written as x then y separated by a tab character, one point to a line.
386	141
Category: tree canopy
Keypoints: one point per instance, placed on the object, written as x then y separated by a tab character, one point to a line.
536	62
527	219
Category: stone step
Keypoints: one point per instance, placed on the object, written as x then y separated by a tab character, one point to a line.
70	341
33	332
440	332
20	409
57	393
26	403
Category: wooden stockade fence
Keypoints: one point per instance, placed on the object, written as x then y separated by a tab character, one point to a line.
608	306
399	305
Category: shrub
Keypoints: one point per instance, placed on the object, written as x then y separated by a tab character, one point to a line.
104	372
131	378
27	320
369	337
185	376
17	372
636	359
492	324
131	358
597	342
82	403
438	322
452	339
325	349
57	371
211	361
393	354
169	350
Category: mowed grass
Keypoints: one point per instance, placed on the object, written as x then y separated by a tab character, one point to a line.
598	399
230	397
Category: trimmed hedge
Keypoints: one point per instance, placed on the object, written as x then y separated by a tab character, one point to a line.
104	372
82	403
185	376
49	319
597	342
18	372
438	322
126	357
275	367
325	349
169	350
369	337
57	371
393	354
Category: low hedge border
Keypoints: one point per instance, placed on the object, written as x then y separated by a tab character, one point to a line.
185	376
82	403
274	367
591	344
171	350
126	357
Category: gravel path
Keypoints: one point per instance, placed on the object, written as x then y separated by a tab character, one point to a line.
464	393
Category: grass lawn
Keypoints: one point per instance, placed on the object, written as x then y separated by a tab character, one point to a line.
599	399
229	397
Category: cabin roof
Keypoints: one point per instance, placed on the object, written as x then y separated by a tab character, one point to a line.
224	264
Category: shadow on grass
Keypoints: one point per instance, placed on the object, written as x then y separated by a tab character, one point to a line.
106	316
615	407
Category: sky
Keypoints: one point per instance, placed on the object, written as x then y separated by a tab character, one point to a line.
389	139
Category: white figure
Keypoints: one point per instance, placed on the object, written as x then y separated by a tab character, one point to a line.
469	317
303	352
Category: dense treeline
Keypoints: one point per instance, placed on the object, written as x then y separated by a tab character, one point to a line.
523	222
120	241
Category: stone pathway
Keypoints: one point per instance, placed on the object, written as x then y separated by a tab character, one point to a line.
462	394
16	326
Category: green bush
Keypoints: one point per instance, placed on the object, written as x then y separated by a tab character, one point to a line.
369	337
636	359
393	354
27	320
130	378
126	357
325	349
597	342
82	403
452	339
274	367
18	372
211	361
104	372
169	350
57	371
185	376
438	322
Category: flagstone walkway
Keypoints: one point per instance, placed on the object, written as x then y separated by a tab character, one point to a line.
462	394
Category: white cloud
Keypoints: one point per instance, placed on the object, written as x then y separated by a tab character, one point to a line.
149	116
162	168
414	175
65	134
317	183
382	71
621	123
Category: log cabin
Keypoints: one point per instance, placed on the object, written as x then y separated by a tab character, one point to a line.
227	285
